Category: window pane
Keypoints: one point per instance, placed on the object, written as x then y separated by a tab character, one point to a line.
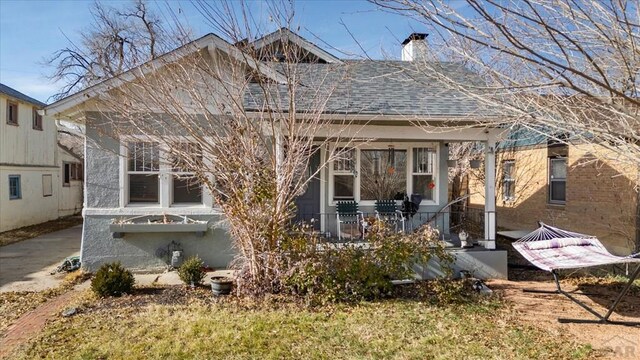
343	187
559	168
185	156
423	159
383	174
421	186
509	189
558	191
143	156
67	173
14	187
143	188
345	161
508	167
186	190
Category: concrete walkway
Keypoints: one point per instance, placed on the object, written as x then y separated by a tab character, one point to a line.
26	265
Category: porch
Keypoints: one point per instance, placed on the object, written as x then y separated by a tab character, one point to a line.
479	260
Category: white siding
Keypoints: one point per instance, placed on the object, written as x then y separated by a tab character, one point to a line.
22	144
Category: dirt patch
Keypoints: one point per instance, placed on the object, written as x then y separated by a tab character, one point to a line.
543	311
29	232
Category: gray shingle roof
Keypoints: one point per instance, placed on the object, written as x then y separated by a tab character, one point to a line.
4	89
378	87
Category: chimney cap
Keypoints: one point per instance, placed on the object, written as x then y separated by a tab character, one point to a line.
415	36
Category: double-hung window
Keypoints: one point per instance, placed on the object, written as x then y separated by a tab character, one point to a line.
508	180
423	177
557	180
15	190
344	175
162	175
143	172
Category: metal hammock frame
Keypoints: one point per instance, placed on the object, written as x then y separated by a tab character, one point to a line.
546	232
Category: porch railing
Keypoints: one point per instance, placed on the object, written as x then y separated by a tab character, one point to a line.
448	222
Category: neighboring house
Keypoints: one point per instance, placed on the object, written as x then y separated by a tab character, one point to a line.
32	166
570	186
378	94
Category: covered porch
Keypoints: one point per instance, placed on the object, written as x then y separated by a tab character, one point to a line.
400	163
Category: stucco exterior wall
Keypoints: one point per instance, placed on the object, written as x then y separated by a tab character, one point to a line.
600	196
138	251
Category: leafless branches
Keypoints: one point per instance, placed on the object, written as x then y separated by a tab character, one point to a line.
561	67
118	40
236	122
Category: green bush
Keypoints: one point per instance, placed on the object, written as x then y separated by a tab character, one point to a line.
191	271
351	273
112	279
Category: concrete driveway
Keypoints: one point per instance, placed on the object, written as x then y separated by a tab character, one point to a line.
26	265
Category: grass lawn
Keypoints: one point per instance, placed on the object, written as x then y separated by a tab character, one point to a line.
175	323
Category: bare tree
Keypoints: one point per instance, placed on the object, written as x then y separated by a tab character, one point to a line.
561	67
117	40
236	123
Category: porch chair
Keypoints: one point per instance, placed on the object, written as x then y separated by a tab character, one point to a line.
387	210
552	249
347	213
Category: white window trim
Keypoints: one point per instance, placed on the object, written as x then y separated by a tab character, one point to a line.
408	146
164	182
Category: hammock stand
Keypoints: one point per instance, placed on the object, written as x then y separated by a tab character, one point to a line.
552	249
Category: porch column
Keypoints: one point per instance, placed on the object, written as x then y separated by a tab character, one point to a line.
490	194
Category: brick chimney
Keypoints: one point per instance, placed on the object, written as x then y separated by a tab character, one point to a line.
414	47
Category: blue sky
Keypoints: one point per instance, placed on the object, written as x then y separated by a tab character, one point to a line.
32	30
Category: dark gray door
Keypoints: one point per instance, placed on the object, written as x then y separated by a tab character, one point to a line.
308	204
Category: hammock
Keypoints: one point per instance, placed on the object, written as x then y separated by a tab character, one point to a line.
552	249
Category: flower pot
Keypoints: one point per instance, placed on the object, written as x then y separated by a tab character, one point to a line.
221	285
475	164
452	163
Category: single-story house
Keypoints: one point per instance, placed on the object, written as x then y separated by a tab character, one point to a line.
383	100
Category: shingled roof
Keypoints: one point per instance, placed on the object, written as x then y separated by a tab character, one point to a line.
379	87
4	89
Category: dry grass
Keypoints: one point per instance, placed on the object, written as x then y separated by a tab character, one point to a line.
29	232
174	323
15	304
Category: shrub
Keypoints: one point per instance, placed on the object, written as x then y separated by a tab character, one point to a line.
112	279
325	273
191	271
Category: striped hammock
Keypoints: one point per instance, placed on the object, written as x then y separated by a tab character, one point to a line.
550	248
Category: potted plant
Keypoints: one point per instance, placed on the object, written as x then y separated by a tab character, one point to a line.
221	285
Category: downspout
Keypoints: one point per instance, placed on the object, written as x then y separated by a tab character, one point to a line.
637	249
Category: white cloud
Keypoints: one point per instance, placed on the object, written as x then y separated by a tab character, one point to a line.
33	85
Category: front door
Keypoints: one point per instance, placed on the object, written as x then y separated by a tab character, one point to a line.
308	204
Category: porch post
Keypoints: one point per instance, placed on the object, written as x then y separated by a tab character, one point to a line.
490	194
